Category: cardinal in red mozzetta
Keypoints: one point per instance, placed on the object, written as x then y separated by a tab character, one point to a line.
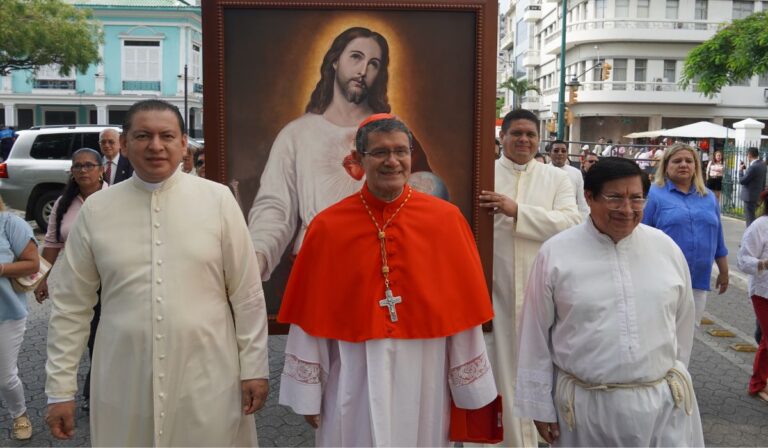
386	301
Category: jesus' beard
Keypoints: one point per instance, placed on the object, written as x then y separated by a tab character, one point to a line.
353	96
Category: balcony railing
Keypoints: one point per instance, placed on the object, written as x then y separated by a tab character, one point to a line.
150	86
531	58
57	84
532	13
635	24
639	86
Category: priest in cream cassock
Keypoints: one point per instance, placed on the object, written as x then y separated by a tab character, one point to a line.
385	302
181	351
531	202
604	346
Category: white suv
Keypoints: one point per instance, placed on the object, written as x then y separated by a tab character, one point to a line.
38	167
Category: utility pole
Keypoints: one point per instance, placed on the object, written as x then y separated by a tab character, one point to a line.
186	109
561	94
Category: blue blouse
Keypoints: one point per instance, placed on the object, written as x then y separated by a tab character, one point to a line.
15	234
693	222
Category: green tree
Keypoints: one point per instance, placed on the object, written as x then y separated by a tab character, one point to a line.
34	33
736	52
519	87
499	105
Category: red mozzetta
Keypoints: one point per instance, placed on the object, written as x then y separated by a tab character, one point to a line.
336	282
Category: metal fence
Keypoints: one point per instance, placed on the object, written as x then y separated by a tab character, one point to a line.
730	199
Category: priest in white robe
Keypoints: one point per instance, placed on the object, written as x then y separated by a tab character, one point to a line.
532	202
558	150
370	371
181	351
607	327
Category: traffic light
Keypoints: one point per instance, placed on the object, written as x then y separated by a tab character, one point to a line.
568	116
573	97
551	126
606	71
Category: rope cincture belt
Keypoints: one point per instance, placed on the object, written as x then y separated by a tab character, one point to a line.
679	385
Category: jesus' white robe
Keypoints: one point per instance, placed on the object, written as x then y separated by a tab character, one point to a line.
605	313
385	392
303	176
170	354
546	206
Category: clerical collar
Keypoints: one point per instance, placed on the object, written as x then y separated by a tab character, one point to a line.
148	185
604	236
379	204
515	166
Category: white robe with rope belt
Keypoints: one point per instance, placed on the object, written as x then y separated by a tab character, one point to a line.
608	313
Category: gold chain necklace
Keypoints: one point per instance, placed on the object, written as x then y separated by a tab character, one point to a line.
389	300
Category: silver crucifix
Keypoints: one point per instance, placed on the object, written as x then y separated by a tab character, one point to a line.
390	301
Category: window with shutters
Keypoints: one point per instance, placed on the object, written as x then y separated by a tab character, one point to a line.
600	7
48	77
142	65
742	8
672	7
197	75
622	8
643	6
641	73
619	74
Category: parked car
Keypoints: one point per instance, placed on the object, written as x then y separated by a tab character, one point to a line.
34	175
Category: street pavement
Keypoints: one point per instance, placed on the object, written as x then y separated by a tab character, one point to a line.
720	376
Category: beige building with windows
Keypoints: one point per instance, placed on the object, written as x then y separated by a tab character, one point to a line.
645	41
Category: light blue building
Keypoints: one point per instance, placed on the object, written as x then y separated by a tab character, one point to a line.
147	44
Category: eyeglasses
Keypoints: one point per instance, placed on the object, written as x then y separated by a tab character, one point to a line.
199	163
617	202
383	154
84	167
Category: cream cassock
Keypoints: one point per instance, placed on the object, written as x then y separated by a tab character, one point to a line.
170	354
546	206
609	313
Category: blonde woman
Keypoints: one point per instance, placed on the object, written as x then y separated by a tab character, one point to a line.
682	207
18	258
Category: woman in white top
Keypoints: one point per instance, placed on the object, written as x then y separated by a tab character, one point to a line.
715	174
753	260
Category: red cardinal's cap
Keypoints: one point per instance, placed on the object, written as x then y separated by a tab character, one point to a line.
377	117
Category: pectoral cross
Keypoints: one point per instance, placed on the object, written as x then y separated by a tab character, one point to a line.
390	301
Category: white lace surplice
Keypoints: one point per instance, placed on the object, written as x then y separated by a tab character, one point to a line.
385	392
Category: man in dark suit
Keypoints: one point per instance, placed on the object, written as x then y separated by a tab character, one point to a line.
116	168
752	179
